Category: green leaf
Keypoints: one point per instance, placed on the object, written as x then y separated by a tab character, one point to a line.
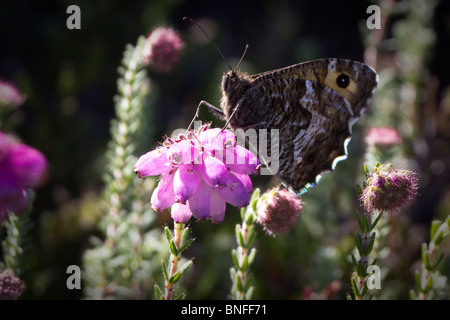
158	292
365	224
438	239
251	256
174	279
173	248
358	241
355	288
184	238
181	296
235	258
355	263
251	236
425	257
184	267
417	279
249	293
434	228
358	219
241	240
186	245
375	222
438	260
364	290
168	234
360	270
371	243
248	283
250	219
239	284
254	198
428	285
164	268
233	274
244	264
242	214
237	231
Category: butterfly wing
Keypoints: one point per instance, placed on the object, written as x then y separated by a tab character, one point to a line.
313	113
363	79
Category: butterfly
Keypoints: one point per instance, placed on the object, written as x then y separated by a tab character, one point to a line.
312	105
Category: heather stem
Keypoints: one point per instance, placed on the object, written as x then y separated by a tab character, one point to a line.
174	259
365	241
178	242
244	255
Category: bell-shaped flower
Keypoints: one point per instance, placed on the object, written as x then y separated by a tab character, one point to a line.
196	177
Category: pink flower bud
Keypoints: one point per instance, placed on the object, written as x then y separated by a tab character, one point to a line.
388	191
163	49
278	210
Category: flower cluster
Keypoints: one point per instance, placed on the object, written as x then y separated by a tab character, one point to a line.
21	167
278	210
389	190
163	49
11	287
201	172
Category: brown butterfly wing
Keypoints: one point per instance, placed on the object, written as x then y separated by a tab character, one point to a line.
313	114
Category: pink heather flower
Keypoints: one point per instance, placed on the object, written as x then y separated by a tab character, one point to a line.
11	287
163	49
201	172
21	167
382	136
278	210
388	191
10	95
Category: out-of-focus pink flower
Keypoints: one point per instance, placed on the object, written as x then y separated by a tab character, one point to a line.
163	49
278	210
382	136
10	95
201	172
388	191
21	167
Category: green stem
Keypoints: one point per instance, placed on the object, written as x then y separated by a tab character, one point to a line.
244	254
365	243
175	257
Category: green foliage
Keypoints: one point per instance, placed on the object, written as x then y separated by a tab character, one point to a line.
429	281
122	265
244	255
178	242
94	211
16	243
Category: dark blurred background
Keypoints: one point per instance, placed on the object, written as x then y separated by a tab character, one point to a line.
69	77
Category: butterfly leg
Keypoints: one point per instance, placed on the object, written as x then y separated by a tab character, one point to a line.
214	109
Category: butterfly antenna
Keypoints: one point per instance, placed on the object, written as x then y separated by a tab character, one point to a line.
204	32
243	55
